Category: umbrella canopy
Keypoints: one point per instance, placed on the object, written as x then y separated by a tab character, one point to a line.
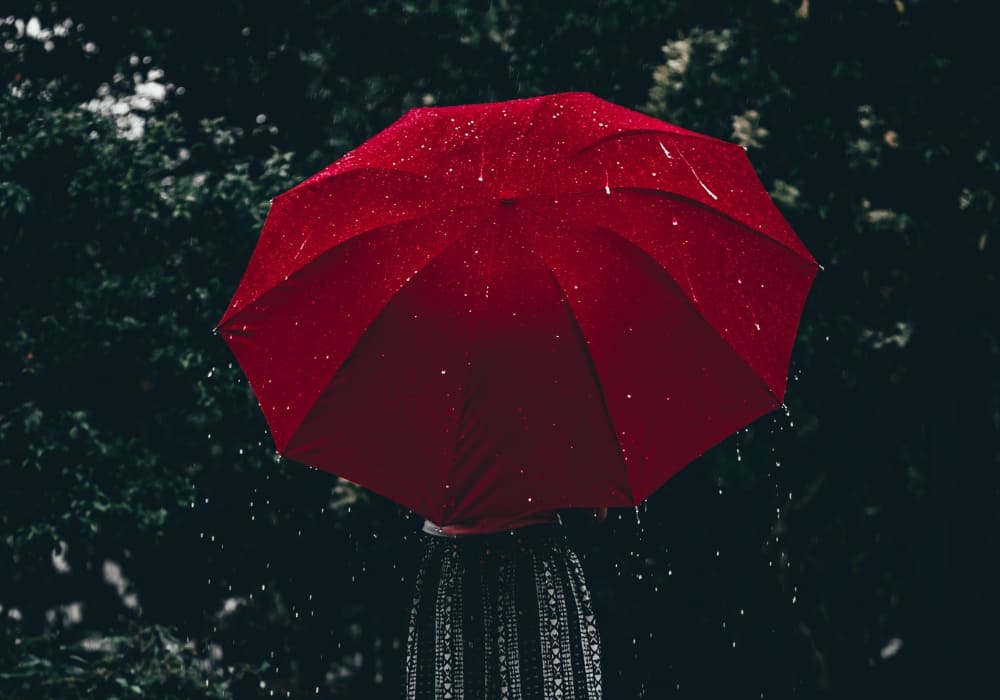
493	309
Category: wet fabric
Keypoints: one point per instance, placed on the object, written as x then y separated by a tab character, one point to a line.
491	309
503	616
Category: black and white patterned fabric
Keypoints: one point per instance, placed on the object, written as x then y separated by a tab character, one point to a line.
504	616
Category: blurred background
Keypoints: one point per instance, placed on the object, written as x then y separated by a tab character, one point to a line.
152	543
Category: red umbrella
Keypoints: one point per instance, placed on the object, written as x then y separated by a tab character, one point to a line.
494	309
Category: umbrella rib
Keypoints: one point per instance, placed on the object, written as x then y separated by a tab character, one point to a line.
324	177
589	359
718	214
381	311
512	151
670	284
638	132
700	205
331	249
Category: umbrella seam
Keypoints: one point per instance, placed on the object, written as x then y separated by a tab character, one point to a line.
444	210
724	216
637	132
590	362
324	177
675	290
368	327
511	152
700	205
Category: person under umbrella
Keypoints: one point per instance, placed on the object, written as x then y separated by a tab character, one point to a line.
501	609
493	313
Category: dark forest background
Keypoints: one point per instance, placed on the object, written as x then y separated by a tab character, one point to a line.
153	545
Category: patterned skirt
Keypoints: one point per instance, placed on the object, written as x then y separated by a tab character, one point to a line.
502	616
